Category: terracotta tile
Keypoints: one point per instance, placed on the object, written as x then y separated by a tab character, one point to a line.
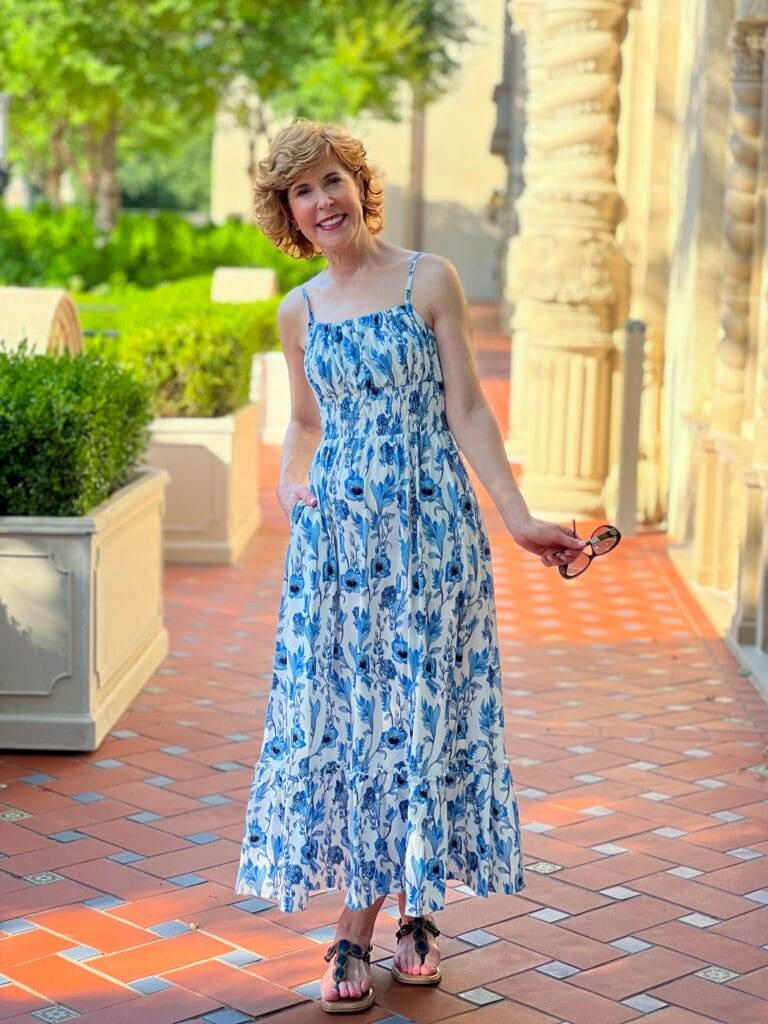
719	1002
131	835
87	927
752	927
170	1006
36	898
636	973
312	1013
160	956
688	892
18	949
706	944
605	829
487	964
14	839
480	913
15	1001
58	855
431	1005
194	858
555	942
549	891
613	870
624	918
504	1013
561	1000
70	983
252	932
741	878
75	815
173	903
756	983
118	879
235	988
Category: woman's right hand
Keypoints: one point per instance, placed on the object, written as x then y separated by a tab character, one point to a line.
289	494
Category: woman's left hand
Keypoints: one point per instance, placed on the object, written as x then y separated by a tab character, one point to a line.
552	543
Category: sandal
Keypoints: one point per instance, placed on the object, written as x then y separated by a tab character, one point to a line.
343	949
419	926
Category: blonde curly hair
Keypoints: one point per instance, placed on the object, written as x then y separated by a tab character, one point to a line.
294	149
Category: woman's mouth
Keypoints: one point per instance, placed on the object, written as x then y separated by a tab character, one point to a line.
331	223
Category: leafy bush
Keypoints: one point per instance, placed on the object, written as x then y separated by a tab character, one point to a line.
73	429
60	247
194	354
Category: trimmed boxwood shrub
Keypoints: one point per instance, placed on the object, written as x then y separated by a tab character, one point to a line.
60	247
194	354
73	430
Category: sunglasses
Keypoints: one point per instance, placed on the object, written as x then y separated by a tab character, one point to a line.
602	540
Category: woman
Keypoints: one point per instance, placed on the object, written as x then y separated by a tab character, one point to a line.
383	766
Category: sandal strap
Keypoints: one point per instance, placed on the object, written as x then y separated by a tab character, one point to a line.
342	949
419	926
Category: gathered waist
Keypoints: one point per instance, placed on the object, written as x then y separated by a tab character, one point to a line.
386	410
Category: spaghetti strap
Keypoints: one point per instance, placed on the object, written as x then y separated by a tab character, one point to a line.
310	314
409	282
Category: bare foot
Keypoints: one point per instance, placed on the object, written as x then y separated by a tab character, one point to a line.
357	980
407	960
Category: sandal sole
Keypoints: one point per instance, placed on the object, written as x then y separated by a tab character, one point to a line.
347	1005
417	979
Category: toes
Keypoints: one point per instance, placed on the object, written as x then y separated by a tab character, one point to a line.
330	994
344	989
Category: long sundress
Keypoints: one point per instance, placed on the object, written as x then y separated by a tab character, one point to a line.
383	766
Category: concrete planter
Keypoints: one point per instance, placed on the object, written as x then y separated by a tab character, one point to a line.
270	387
81	617
212	507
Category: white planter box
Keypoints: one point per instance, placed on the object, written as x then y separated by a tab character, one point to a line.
81	617
212	507
270	387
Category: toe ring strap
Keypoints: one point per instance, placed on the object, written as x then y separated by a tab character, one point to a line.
419	926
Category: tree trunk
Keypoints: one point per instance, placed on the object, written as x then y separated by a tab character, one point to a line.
108	189
57	166
415	215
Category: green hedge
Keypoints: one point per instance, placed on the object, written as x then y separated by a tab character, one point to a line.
60	247
73	429
194	354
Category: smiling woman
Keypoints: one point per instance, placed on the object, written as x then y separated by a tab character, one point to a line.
383	767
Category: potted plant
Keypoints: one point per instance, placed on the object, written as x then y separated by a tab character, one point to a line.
81	600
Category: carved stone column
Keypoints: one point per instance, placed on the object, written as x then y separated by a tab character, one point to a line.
569	278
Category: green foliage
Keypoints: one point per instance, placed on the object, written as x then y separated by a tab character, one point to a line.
60	247
176	180
73	429
194	355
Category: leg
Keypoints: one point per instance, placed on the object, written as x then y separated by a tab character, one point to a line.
356	925
406	958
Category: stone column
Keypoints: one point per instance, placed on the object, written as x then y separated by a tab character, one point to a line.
569	278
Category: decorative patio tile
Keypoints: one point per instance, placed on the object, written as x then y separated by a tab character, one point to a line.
619	892
68	836
226	1017
643	766
558	969
321	935
149	985
254	905
609	849
668	832
716	974
4	980
683	872
543	867
144	817
37	779
588	777
17	926
478	937
187	880
697	752
168	928
123	734
240	958
103	903
88	798
215	799
238	737
228	766
43	878
744	853
311	989
644	1003
709	783
480	996
758	895
78	953
653	795
597	811
727	816
125	857
159	780
109	762
532	793
631	945
548	914
699	920
537	826
54	1014
175	751
202	838
13	814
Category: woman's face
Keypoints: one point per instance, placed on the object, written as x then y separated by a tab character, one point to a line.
326	203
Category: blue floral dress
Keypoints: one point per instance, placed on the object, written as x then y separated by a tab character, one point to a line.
383	765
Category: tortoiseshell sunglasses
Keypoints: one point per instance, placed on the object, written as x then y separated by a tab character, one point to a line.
602	540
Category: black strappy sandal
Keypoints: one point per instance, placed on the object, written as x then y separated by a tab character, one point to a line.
419	926
343	949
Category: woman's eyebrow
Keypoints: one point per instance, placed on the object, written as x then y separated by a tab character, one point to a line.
298	184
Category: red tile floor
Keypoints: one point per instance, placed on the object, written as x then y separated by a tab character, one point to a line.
638	752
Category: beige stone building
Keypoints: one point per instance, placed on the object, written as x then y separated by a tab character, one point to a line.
645	176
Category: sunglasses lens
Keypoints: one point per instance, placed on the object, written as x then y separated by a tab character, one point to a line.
579	564
603	539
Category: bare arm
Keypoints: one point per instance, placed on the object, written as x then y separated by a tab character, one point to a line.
304	430
471	419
